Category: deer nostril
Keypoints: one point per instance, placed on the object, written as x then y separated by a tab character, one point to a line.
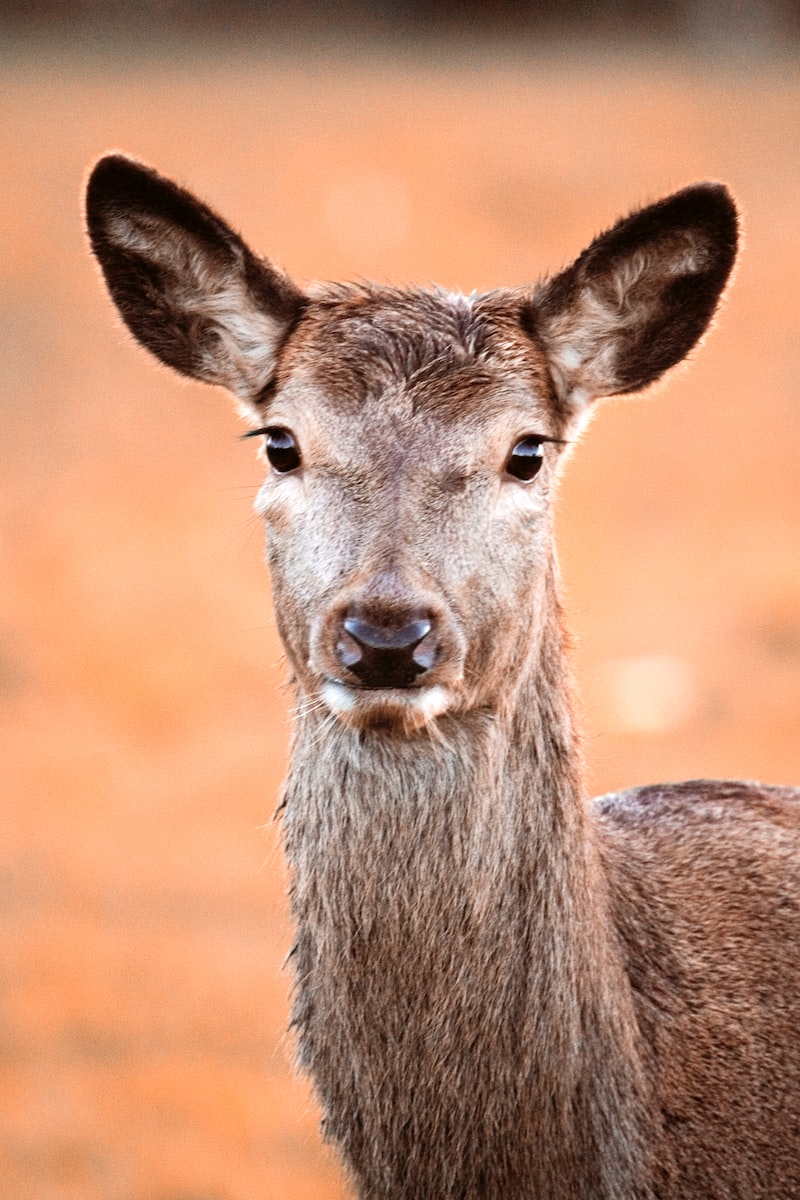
425	652
348	650
386	655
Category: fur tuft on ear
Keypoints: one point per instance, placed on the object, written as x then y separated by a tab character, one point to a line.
638	298
186	285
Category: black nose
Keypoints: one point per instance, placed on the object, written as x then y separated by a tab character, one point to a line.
389	654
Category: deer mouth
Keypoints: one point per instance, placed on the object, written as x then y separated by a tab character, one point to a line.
409	707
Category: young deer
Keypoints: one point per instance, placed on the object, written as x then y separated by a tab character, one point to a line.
502	990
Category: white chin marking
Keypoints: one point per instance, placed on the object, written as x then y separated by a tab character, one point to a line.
338	697
425	703
432	702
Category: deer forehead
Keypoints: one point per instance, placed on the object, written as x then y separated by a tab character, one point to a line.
427	374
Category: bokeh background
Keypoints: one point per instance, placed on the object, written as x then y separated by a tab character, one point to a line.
143	718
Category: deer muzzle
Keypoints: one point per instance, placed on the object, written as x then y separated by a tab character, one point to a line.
388	648
387	654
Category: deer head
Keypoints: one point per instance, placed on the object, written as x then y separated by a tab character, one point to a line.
413	436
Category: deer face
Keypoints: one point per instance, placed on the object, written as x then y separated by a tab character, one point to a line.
412	436
412	445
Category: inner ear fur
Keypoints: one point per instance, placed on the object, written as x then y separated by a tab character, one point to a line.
638	298
185	283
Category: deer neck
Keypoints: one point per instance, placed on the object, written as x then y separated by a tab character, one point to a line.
460	999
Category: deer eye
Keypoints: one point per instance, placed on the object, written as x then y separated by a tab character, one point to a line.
526	458
282	450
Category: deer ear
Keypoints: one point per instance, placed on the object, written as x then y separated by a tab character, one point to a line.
185	284
638	298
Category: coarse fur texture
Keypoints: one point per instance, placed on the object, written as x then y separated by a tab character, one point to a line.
502	990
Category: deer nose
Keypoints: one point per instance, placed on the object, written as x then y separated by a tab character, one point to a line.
388	653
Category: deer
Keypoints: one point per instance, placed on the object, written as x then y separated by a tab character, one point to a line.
502	989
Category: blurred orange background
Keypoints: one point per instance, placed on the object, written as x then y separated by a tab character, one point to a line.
143	1004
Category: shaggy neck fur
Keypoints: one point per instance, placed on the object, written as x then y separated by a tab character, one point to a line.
460	998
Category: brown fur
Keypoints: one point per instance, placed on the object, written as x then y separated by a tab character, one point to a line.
502	991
